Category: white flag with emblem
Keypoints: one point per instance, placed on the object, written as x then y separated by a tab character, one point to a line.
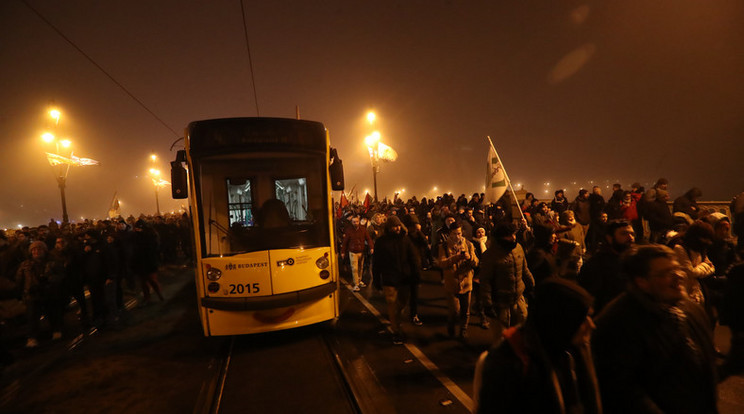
495	177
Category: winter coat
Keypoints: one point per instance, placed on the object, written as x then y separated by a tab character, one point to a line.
395	262
580	208
645	361
145	252
696	267
518	377
458	272
658	215
503	276
354	239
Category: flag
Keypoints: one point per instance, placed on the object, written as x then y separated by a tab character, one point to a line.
367	202
83	161
495	177
115	210
341	204
55	159
159	182
386	153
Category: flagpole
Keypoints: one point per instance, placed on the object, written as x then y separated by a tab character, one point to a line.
516	200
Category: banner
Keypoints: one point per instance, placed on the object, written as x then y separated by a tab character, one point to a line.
495	177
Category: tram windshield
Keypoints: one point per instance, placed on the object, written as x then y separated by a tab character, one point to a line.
261	201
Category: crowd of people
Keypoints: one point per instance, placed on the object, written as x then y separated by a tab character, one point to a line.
47	270
597	305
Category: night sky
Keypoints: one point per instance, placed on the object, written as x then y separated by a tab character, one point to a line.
569	91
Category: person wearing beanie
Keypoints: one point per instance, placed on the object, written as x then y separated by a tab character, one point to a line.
653	347
395	267
41	279
544	365
504	277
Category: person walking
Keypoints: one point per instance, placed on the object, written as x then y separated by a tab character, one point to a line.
504	276
355	243
457	259
653	347
545	365
145	259
395	268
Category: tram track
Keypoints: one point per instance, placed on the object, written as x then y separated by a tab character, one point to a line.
210	395
352	376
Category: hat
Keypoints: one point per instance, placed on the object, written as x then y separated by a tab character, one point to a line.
38	243
503	230
558	310
391	222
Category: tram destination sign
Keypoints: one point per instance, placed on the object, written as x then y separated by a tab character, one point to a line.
256	134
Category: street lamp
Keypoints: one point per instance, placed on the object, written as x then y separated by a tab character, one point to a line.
373	144
156	181
61	169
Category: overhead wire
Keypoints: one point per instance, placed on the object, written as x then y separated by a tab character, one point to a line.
250	59
117	83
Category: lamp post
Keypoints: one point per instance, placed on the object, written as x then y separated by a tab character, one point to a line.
373	146
156	181
61	170
155	175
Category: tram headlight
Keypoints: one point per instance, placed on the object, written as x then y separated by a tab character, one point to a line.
213	273
213	287
323	262
324	274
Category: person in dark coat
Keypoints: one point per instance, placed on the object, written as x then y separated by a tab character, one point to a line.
660	219
41	278
687	203
145	259
505	277
653	347
395	268
734	309
544	366
98	273
601	274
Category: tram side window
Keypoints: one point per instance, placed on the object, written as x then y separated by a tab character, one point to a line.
240	202
293	192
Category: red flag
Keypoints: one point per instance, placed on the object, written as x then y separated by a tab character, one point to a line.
341	204
367	202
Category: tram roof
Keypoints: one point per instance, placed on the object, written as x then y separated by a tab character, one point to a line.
255	133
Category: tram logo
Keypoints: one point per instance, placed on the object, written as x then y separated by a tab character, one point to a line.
232	266
288	262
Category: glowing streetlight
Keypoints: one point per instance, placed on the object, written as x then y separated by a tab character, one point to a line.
377	151
155	175
55	114
48	137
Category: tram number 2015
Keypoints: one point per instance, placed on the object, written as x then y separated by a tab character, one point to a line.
246	288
